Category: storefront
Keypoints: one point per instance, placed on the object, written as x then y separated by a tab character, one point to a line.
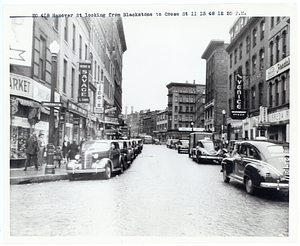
27	115
279	125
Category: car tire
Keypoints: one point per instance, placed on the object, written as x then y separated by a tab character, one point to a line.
198	158
250	189
225	177
107	173
178	150
71	176
122	167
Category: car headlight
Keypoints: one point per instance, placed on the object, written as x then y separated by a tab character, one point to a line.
77	157
95	156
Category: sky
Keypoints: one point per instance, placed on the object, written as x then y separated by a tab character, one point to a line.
164	50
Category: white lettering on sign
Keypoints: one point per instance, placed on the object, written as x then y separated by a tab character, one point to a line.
278	68
19	84
279	116
239	81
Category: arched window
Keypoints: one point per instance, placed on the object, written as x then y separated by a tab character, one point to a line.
261	59
283	44
254	64
276	92
247	44
277	49
283	90
254	36
260	91
262	29
270	95
247	68
241	50
271	53
253	97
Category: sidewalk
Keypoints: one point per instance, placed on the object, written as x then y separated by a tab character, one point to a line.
19	176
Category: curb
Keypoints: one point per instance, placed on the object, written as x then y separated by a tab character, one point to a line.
38	179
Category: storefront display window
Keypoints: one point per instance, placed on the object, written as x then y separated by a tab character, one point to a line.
18	140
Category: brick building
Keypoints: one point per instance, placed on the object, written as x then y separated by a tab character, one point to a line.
216	86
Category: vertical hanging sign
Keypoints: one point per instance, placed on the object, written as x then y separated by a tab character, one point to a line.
239	112
83	89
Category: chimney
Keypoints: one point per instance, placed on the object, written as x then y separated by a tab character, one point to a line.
194	81
131	109
126	111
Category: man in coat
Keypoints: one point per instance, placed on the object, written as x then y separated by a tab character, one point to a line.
31	151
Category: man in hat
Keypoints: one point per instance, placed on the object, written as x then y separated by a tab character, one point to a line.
31	151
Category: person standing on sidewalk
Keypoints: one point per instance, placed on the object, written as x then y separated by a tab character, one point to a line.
65	149
40	155
31	151
73	150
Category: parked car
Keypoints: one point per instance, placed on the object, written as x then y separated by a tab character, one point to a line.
194	138
97	156
135	147
157	142
140	143
205	152
258	164
126	151
171	143
231	145
182	145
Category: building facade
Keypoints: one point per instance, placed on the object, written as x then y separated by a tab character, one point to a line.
182	98
258	46
83	42
162	125
216	85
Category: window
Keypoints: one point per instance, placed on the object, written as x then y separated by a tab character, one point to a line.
261	58
271	53
230	82
180	99
176	99
235	56
86	52
270	95
247	68
254	64
180	108
73	38
241	51
55	23
229	105
230	60
262	29
175	117
278	19
276	92
260	91
272	22
247	44
80	47
72	82
277	49
66	30
180	117
192	109
42	59
192	99
187	99
253	97
187	109
254	36
284	44
101	75
176	108
65	76
283	90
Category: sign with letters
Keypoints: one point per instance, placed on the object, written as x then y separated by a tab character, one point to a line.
83	89
239	112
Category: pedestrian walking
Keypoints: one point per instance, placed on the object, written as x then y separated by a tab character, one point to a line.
65	149
40	155
31	151
73	150
81	143
57	157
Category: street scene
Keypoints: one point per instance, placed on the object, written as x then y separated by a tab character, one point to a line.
162	194
159	122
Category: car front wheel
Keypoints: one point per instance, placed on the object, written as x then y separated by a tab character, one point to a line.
198	158
107	173
71	176
249	186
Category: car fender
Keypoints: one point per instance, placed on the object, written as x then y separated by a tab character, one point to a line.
251	170
105	161
228	164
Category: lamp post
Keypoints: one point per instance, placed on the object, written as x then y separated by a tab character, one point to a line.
129	131
192	124
54	49
223	124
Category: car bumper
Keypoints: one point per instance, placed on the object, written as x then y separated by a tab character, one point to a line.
93	170
209	157
278	186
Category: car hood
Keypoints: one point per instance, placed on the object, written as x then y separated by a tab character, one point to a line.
209	152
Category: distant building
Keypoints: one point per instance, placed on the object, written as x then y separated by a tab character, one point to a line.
182	105
162	125
216	86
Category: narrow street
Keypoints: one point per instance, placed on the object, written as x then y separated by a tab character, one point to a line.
163	193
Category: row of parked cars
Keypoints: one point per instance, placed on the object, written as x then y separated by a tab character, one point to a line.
104	157
257	164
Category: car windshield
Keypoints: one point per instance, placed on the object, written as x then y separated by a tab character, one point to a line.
184	141
208	146
95	146
278	149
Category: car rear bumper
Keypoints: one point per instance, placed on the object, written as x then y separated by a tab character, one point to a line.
278	186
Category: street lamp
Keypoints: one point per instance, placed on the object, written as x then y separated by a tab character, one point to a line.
129	131
223	125
192	124
54	49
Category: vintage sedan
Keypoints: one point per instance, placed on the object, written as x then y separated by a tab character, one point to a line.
258	164
205	152
126	151
183	145
96	156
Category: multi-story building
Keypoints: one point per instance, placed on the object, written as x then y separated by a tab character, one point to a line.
258	45
182	105
216	86
162	125
96	43
149	123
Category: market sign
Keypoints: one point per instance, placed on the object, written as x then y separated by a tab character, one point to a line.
83	89
278	68
98	109
238	112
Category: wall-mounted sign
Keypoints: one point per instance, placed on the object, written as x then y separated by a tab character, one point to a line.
238	112
83	89
278	68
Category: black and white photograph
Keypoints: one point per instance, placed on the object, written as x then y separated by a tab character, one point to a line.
149	123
